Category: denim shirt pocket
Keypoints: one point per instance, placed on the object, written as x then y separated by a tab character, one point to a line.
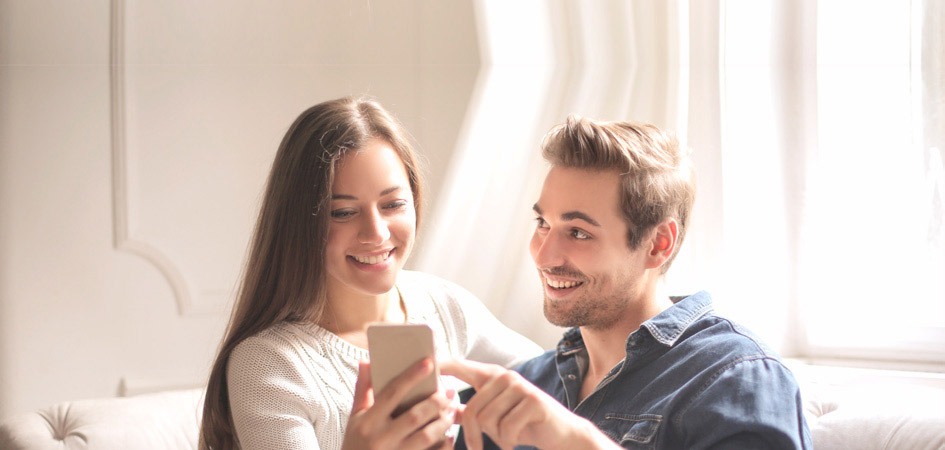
633	431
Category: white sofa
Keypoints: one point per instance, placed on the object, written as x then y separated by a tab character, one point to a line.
846	409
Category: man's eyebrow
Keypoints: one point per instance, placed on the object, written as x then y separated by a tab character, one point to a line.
572	215
351	197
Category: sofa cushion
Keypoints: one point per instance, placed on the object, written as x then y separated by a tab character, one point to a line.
167	420
872	410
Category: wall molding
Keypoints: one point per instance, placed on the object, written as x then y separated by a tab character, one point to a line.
123	239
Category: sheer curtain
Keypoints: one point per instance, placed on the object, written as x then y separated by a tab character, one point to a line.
541	61
816	129
830	203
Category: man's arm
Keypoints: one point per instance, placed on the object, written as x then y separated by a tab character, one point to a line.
753	403
512	411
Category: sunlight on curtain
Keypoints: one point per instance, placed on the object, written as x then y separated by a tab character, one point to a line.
873	260
754	285
540	62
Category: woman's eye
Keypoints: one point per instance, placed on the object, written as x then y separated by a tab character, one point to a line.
342	214
397	204
580	235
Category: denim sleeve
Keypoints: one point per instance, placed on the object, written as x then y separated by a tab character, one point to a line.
751	403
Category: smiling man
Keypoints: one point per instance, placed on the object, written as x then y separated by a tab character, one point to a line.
637	369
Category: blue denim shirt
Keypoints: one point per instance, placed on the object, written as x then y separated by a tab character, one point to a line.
690	380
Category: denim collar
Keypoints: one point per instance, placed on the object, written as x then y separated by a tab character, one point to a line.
665	327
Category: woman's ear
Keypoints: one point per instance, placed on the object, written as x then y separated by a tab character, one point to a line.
662	243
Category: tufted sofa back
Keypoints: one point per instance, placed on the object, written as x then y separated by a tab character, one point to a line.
853	410
162	421
867	409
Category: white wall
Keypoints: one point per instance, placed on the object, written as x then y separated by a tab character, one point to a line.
208	89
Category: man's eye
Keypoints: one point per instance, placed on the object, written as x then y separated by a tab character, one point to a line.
580	235
540	223
341	213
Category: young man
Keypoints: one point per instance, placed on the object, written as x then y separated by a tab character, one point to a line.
638	369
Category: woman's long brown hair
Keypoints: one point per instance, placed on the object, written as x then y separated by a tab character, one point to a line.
284	275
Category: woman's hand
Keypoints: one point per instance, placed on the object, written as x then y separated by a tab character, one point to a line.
421	427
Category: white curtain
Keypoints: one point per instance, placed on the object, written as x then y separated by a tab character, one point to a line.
816	129
541	61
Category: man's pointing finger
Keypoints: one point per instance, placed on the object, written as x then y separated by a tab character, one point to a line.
474	373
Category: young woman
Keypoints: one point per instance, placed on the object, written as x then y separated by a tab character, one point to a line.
338	221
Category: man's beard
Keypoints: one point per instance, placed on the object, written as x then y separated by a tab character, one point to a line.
592	308
597	313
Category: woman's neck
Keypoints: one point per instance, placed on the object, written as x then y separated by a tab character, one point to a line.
348	313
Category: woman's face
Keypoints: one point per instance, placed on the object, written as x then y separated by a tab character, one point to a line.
373	221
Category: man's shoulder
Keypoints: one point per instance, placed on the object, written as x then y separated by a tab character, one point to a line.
540	369
714	333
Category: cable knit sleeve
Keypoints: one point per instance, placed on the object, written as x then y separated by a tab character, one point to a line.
268	397
487	339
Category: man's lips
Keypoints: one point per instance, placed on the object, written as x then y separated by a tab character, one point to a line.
560	283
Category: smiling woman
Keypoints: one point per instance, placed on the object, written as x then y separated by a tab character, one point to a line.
338	222
372	228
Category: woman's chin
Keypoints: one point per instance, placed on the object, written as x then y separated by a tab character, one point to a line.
378	284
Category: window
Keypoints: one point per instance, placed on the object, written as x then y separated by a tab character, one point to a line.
872	256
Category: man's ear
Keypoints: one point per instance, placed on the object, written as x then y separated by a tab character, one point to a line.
662	243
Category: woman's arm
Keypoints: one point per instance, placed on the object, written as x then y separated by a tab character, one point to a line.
273	406
269	398
487	339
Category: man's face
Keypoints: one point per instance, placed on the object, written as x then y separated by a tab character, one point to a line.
589	274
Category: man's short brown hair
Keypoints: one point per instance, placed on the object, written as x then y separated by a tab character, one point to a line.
657	177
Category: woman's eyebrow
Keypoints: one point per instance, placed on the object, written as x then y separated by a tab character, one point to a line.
391	189
351	197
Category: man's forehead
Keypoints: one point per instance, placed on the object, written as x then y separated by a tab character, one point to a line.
567	191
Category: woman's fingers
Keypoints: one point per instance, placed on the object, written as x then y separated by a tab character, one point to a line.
363	394
386	401
414	419
433	432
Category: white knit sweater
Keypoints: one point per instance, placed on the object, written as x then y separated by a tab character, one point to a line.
291	386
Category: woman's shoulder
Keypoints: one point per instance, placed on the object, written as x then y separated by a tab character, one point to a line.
281	344
269	346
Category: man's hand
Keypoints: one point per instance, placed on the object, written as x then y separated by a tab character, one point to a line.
512	411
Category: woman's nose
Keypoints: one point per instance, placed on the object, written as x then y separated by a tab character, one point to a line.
373	229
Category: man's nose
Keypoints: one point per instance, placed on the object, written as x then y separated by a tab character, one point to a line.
547	251
374	229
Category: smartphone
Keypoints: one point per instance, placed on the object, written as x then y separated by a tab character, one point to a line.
394	348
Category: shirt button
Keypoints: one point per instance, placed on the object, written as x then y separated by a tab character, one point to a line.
571	377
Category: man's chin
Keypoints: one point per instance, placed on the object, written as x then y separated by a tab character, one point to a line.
580	314
560	317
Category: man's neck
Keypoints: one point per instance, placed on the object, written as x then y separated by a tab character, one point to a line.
607	346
